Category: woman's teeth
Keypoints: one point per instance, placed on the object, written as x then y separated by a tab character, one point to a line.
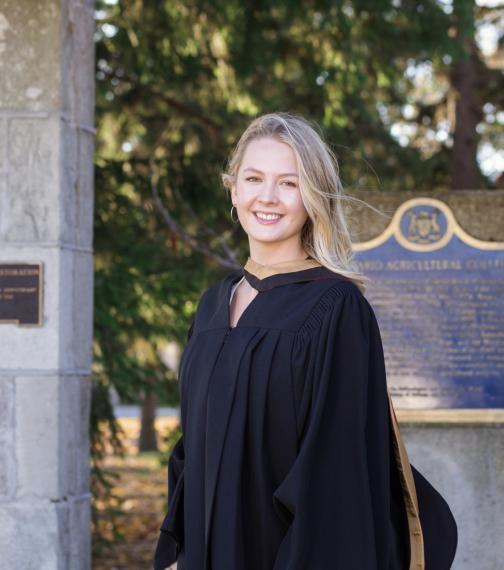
267	217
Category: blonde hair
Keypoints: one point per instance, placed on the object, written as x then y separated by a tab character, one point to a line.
325	235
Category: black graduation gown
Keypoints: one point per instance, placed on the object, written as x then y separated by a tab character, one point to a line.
288	459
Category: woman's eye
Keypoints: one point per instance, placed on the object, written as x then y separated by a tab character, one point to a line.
254	178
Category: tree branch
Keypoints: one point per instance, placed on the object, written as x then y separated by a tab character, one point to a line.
229	261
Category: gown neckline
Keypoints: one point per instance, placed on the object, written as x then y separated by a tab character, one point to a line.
266	276
262	271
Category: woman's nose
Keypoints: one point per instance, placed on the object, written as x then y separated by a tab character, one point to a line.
268	191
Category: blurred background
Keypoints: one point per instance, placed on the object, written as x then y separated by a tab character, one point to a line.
410	97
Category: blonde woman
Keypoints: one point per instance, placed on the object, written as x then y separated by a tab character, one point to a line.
290	458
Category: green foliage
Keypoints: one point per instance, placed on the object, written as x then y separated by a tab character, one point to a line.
180	80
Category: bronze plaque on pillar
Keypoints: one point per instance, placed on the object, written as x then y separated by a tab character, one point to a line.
21	293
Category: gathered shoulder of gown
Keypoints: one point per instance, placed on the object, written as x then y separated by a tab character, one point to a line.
290	458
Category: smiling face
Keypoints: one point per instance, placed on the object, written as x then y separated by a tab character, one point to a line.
269	205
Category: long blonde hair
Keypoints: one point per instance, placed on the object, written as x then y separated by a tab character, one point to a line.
325	235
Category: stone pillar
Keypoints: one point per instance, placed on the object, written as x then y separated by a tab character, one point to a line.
464	462
46	212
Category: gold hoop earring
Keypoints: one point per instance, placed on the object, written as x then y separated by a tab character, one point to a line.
235	221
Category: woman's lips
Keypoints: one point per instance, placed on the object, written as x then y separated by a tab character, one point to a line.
267	222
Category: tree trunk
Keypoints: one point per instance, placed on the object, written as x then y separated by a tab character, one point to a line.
465	173
148	436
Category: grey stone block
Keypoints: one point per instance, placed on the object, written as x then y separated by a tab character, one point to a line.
3	145
6	404
80	542
52	445
30	201
64	532
40	345
74	517
35	550
78	62
76	310
30	29
68	431
37	436
82	440
7	456
65	339
3	197
464	463
41	202
77	200
74	456
85	189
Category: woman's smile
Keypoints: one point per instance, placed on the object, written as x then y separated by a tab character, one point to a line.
265	218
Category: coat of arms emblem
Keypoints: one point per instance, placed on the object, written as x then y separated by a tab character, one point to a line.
423	227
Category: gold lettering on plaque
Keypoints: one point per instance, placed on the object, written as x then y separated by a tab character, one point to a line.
21	293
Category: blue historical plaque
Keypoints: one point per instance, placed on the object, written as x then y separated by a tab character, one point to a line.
438	295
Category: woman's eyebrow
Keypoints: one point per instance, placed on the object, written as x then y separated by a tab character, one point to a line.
260	172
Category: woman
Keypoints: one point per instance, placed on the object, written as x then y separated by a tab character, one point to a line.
290	458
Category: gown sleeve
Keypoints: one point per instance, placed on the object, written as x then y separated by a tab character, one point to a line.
172	529
336	495
171	535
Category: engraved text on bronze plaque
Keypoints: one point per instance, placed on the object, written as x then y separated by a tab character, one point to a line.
21	293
